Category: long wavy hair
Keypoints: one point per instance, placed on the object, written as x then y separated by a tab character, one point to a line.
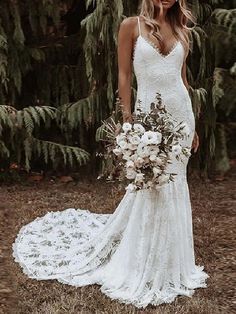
179	16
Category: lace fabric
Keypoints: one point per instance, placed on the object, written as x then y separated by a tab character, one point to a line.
143	253
140	254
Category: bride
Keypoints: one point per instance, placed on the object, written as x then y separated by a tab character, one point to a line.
142	253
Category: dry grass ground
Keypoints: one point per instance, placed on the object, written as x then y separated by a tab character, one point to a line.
212	202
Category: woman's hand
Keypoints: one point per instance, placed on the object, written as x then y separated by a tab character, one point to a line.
118	129
195	143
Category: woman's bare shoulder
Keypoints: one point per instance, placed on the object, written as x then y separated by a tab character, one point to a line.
129	23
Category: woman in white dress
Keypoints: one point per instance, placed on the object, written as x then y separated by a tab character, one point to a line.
142	253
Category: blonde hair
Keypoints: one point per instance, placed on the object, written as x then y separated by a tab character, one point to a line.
178	15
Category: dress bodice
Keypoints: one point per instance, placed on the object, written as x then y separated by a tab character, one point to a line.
158	73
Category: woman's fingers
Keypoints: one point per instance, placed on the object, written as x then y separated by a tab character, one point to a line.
195	143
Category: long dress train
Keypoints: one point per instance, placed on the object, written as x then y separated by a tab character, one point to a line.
142	253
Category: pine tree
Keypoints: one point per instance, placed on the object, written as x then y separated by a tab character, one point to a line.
211	70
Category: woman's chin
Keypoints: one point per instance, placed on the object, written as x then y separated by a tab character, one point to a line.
166	5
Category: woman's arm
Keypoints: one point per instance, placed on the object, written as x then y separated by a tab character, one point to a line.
125	48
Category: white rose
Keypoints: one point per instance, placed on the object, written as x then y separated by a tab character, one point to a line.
147	151
130	164
176	149
148	137
139	128
126	127
126	157
140	151
143	152
134	139
128	152
141	145
131	174
154	150
153	158
158	138
134	157
117	151
139	162
139	177
151	137
120	137
123	145
132	146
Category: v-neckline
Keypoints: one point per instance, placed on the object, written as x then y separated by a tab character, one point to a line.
150	43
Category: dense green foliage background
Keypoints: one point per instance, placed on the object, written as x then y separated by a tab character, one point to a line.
58	72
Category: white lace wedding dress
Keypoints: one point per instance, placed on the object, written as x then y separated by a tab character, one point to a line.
142	253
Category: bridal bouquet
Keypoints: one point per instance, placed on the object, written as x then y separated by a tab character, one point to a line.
144	148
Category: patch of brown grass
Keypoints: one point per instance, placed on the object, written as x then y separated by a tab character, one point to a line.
212	203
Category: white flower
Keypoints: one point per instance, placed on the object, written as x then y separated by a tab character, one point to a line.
127	127
140	151
127	152
117	151
134	139
126	157
120	137
132	146
156	171
148	137
158	138
131	174
146	150
134	157
143	151
151	137
139	128
176	149
130	164
141	144
154	149
123	145
139	178
153	158
139	162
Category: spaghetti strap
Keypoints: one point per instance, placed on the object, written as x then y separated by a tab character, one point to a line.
139	27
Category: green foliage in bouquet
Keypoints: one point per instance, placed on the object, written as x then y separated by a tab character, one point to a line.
141	150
